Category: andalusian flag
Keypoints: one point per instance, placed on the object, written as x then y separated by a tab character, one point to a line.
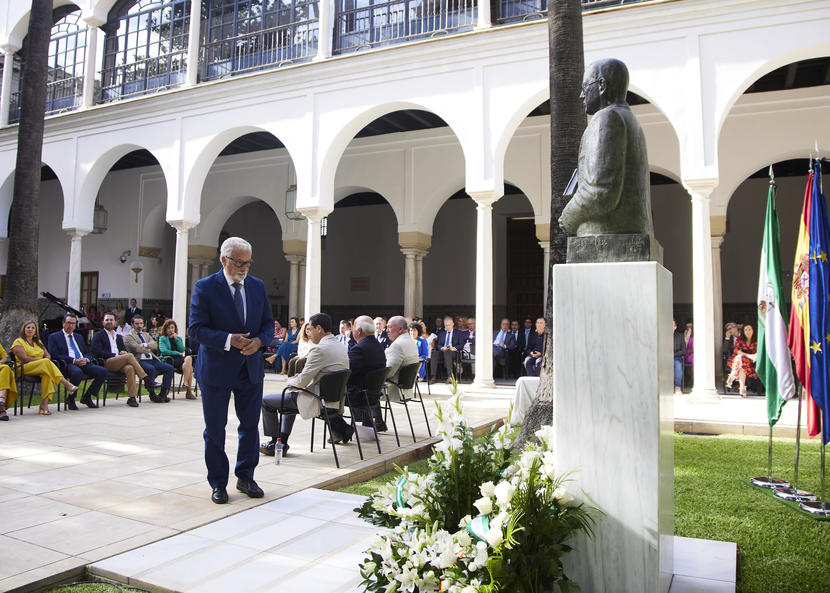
773	363
799	337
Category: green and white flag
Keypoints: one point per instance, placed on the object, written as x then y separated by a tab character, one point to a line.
773	364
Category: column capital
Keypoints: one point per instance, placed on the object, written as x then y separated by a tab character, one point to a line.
182	226
314	214
700	188
77	233
11	45
294	247
93	19
545	245
414	240
294	259
485	199
412	252
717	241
543	231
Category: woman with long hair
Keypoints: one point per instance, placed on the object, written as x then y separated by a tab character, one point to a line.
743	359
289	347
416	330
29	350
172	346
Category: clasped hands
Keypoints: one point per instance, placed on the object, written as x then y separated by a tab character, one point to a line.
245	344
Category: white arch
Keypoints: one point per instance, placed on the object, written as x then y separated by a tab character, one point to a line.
7	195
211	226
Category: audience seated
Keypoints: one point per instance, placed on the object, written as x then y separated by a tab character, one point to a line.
402	351
535	348
108	346
132	312
515	358
154	328
345	335
171	346
69	347
679	344
327	356
8	385
120	314
527	329
36	361
503	344
366	355
448	342
743	361
416	331
278	337
380	332
305	344
158	315
288	347
143	346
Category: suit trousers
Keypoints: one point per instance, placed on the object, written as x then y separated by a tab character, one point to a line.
97	373
447	357
247	401
154	368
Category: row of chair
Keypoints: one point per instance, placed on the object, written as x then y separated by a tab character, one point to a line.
332	390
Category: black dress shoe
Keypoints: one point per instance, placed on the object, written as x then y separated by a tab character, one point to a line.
249	487
342	438
220	495
87	401
132	402
270	448
163	395
156	399
70	403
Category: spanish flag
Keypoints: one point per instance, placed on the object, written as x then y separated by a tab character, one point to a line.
798	338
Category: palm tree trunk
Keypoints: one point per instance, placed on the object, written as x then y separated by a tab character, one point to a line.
567	123
20	299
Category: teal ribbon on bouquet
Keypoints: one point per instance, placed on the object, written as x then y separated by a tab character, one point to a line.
399	484
479	527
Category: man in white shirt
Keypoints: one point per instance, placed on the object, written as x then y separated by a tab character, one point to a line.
327	356
402	351
108	346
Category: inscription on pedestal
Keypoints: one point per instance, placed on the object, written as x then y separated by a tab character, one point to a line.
613	248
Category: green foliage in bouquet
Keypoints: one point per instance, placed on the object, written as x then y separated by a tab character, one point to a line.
480	520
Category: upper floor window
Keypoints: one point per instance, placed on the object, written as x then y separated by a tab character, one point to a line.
67	56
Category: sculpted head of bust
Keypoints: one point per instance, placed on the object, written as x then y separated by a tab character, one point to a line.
605	83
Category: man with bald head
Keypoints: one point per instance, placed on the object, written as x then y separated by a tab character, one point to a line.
402	351
366	355
613	192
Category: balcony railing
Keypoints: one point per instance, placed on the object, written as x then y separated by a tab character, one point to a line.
14	107
144	76
268	48
64	94
511	11
397	21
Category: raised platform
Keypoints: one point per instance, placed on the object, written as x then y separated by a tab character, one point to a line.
312	541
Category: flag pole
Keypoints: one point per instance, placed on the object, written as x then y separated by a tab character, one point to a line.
793	493
818	507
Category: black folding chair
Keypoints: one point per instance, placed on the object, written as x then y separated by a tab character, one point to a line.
332	388
407	376
373	384
27	380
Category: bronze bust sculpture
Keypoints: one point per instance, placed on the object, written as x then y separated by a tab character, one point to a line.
613	195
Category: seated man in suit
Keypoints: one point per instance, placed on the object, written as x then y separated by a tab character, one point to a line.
535	348
403	351
503	345
380	332
366	355
449	341
144	347
70	347
108	346
516	357
327	356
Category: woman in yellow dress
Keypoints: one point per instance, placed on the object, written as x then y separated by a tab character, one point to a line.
36	361
8	386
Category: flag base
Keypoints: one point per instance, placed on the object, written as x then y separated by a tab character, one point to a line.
790	493
816	507
765	482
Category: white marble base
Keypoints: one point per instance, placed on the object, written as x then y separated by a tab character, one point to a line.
613	419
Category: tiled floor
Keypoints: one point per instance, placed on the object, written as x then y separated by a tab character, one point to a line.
312	541
81	486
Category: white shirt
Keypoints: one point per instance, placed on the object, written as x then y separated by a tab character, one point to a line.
232	288
70	350
113	342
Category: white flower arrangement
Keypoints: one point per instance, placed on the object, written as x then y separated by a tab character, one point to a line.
480	520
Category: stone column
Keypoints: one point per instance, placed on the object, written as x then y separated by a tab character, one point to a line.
92	41
193	40
324	30
484	22
73	293
484	287
180	271
6	91
205	270
410	282
419	284
703	305
301	290
293	285
543	236
314	257
717	293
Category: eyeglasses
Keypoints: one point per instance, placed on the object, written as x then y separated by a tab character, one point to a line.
585	87
241	263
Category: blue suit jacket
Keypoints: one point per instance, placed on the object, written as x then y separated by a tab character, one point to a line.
101	344
456	340
213	316
366	355
509	341
59	350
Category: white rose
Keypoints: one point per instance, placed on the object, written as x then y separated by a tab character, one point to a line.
487	488
494	537
484	505
504	492
563	496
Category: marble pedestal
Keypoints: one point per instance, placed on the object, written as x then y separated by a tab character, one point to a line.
613	419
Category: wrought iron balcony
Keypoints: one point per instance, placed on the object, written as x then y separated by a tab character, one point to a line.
145	75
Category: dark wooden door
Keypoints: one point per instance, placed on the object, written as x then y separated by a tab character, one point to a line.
525	261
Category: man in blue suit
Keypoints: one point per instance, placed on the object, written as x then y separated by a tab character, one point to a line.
447	345
70	347
504	343
366	355
231	319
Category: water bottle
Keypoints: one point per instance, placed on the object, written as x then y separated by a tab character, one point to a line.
278	452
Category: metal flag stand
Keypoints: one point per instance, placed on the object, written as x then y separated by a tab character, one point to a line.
792	492
818	507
